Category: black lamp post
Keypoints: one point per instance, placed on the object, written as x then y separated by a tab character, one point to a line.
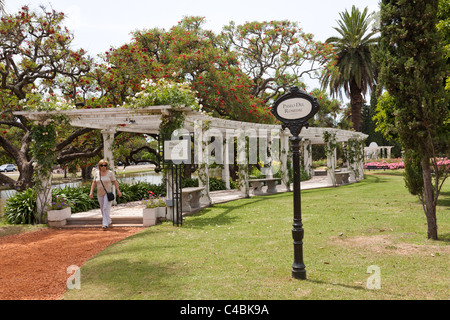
294	109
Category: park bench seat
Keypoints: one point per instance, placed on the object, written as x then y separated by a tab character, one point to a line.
342	177
257	184
190	198
376	167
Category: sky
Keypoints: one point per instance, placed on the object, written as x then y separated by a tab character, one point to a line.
101	24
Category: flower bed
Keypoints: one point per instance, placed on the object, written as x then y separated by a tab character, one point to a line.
393	164
385	165
444	162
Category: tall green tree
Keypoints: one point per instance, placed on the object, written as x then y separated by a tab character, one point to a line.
329	112
357	71
443	27
413	71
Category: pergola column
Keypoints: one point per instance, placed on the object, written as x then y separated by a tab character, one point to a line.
284	146
356	165
307	157
108	143
44	192
360	159
331	165
388	149
242	160
44	195
202	152
226	162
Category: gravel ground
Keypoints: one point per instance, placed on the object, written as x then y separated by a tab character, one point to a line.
33	265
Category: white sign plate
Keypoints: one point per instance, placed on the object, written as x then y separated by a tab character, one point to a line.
176	150
295	108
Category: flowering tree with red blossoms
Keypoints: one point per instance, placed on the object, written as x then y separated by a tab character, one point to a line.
235	74
35	55
185	52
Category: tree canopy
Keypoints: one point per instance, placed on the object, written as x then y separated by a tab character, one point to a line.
276	55
35	53
356	70
235	75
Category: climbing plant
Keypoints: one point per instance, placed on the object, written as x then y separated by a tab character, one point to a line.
170	93
330	142
355	155
44	143
44	156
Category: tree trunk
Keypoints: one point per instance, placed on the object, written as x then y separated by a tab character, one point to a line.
188	170
356	102
429	203
86	173
25	180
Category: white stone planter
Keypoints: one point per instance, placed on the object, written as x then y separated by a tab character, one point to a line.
58	218
151	215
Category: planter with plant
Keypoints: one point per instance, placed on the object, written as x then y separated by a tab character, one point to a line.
154	209
58	212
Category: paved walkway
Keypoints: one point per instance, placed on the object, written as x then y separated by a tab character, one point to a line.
134	208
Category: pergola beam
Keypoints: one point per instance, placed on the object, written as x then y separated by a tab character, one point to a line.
148	119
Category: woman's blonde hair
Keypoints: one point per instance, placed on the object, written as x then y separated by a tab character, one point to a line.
103	161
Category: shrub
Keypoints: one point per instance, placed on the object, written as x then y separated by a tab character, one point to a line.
189	182
413	173
216	184
138	191
21	208
78	198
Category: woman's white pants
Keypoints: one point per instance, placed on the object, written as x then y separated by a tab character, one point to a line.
105	207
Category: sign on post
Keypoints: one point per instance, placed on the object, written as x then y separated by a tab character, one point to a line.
177	151
294	109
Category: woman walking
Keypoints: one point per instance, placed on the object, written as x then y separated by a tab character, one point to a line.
104	180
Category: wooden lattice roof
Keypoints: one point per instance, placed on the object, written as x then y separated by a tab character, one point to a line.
147	120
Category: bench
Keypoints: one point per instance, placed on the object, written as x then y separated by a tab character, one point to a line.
257	184
376	167
190	198
341	177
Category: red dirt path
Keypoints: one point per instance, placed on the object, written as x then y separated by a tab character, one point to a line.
33	265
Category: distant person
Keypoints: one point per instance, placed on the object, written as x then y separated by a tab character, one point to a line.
104	180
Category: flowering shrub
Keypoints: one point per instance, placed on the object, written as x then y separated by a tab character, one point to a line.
154	201
376	165
399	165
393	164
36	101
444	162
165	92
58	203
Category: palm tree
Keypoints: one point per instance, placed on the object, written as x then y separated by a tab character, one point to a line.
354	61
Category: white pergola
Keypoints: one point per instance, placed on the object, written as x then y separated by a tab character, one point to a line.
374	151
147	121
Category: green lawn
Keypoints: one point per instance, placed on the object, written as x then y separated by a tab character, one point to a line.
243	250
